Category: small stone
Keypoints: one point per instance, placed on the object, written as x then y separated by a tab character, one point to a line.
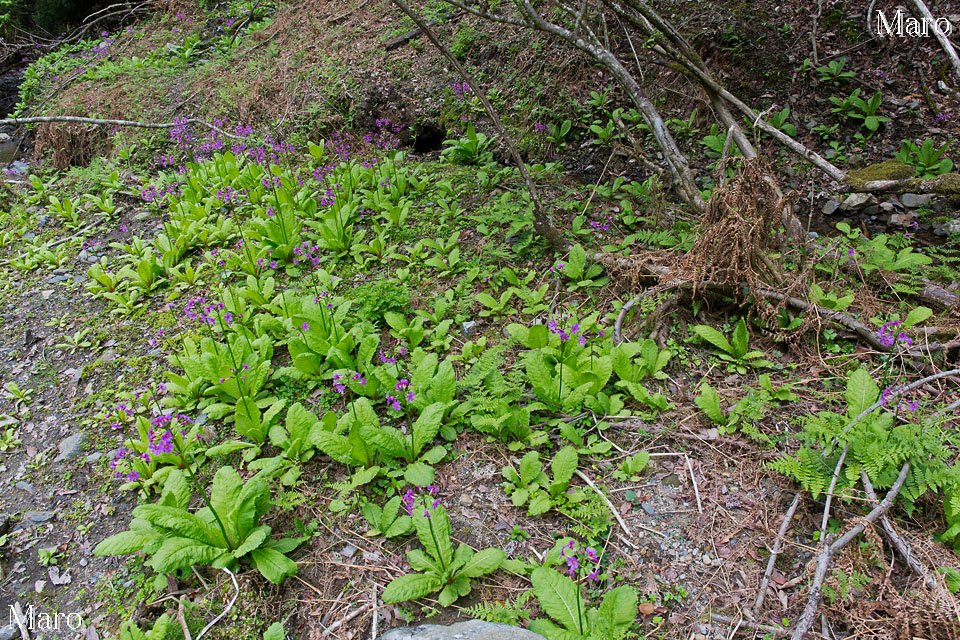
9	632
672	480
699	636
39	586
914	201
93	457
108	356
23	485
348	551
900	219
469	328
466	500
857	201
887	207
46	293
37	517
831	207
813	235
646	506
71	447
707	561
469	630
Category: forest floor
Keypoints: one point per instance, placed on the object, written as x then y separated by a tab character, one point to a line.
228	294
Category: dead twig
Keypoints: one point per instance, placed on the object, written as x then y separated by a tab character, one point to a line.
777	548
693	479
616	514
233	600
350	616
183	621
830	549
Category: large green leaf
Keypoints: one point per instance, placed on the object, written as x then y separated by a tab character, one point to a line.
530	468
275	632
124	542
180	521
709	403
714	337
564	465
411	587
181	553
274	566
616	614
862	392
482	563
426	426
254	539
434	532
576	261
559	597
740	339
225	493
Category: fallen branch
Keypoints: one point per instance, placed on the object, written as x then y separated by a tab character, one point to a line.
830	549
777	631
777	549
946	184
233	600
940	36
898	543
117	123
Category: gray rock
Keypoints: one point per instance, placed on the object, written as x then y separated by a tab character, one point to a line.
23	485
887	207
914	201
646	506
37	517
469	328
470	630
71	447
831	207
813	235
93	457
857	201
4	523
348	551
9	632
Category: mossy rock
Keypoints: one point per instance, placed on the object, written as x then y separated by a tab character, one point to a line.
886	170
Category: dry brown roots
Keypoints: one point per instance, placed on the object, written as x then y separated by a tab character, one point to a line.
69	144
732	255
734	250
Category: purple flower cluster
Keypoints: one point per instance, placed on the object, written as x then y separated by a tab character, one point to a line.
386	135
305	252
569	554
461	88
539	127
889	335
410	499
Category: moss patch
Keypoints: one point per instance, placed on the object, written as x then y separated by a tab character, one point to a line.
886	170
